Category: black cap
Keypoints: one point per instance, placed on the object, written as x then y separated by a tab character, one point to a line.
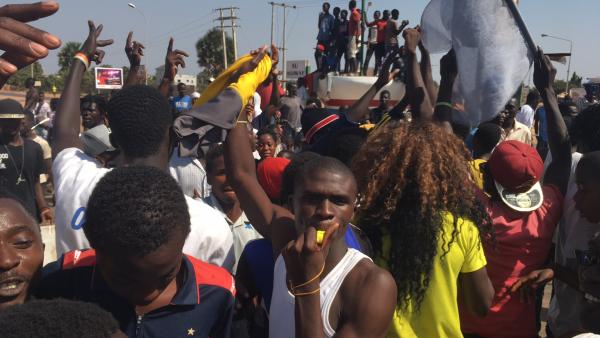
11	109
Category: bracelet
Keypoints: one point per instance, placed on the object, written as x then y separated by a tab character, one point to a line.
45	210
83	58
242	122
301	294
311	280
444	104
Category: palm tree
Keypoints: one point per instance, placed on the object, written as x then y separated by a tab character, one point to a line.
65	56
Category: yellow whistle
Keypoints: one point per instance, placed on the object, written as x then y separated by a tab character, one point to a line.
320	236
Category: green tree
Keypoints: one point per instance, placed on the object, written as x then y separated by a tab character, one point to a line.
65	56
210	51
18	80
575	81
559	86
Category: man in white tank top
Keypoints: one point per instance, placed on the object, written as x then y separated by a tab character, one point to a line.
338	291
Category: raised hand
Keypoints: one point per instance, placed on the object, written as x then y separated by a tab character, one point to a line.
448	66
134	51
173	59
412	37
305	259
91	44
544	72
22	43
249	66
385	75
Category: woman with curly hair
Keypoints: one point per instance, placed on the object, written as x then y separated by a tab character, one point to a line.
419	208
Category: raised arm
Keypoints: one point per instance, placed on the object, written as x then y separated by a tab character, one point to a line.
403	25
241	174
173	59
135	51
24	44
559	170
426	72
415	87
448	72
66	120
275	99
360	108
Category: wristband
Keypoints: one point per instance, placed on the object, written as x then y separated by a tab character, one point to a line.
311	280
307	293
83	58
444	104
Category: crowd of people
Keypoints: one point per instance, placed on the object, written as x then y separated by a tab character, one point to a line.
340	37
254	211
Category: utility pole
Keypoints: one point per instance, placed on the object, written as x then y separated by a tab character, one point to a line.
233	26
233	34
223	38
272	22
283	47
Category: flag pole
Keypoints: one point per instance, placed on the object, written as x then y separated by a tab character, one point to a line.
522	26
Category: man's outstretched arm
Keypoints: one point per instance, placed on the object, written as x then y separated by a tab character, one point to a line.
415	87
135	51
360	108
67	121
173	59
241	174
558	137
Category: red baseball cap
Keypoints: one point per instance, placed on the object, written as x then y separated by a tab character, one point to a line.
517	169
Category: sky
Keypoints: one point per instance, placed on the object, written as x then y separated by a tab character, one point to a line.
154	21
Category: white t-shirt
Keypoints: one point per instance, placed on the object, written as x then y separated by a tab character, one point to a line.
75	176
526	116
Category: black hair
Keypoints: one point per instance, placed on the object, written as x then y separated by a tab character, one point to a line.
139	117
322	164
315	101
487	137
395	11
573	133
289	174
99	100
57	318
214	152
346	143
29	82
587	128
268	131
135	210
533	95
384	92
352	4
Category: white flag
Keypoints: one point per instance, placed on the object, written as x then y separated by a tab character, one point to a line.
492	56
